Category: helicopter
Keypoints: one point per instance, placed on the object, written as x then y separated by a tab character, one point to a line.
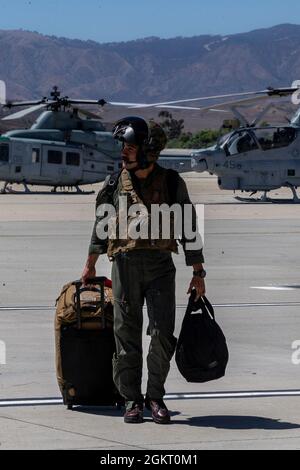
66	146
254	158
250	158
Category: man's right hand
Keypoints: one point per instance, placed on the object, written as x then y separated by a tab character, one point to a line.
89	269
88	273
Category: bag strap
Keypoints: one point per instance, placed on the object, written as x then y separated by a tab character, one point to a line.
78	312
202	303
110	185
209	307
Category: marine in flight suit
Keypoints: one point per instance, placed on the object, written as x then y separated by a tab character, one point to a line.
143	269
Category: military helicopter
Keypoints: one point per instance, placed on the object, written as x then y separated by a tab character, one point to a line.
66	146
253	158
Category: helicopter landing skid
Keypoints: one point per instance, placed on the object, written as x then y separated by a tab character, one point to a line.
69	191
265	199
6	189
3	187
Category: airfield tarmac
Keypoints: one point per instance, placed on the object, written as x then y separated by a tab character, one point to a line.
252	259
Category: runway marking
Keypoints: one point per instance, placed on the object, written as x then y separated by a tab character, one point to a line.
26	308
229	305
31	402
280	288
172	396
254	394
263	304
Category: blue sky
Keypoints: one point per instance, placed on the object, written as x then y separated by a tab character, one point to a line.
122	20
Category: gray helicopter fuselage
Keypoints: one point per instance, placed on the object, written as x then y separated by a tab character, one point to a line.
254	159
75	152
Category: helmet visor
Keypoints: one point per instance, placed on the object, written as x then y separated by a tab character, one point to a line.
132	130
125	134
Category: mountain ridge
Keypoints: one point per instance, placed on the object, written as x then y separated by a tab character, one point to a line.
151	68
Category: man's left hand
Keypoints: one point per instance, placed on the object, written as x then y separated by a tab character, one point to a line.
199	284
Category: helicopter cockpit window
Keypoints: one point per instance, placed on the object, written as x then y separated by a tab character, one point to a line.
54	156
73	158
273	138
4	153
240	142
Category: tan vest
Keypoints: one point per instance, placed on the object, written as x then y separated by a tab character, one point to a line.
156	193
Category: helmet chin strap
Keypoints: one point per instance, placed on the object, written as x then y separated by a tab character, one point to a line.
140	166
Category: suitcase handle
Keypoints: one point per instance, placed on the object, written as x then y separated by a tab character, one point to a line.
89	289
78	284
92	280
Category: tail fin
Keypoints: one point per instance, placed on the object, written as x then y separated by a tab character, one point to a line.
2	92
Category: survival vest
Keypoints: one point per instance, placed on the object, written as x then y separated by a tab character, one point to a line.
162	190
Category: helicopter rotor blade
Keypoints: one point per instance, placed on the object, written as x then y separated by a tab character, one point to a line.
173	106
129	105
23	113
268	92
241	102
229	104
215	107
211	107
94	102
14	104
146	105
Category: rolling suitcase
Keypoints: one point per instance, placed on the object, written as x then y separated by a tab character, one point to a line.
85	345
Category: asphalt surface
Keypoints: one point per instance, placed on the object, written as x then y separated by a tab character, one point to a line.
252	260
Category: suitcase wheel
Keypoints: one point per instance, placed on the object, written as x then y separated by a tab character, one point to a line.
69	407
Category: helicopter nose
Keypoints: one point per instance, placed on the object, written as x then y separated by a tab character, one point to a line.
199	164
